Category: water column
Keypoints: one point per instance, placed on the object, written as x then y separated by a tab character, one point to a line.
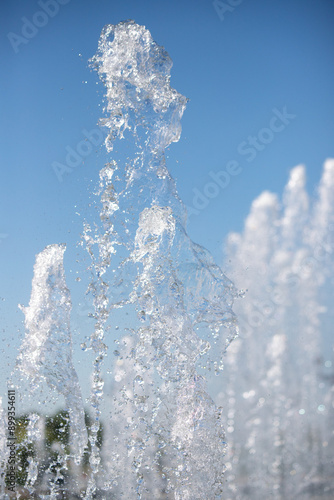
247	397
178	302
45	364
282	398
321	240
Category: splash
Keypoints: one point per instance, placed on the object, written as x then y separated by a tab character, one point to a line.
161	307
46	352
45	361
178	300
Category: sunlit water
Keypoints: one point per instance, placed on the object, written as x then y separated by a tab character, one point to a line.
161	319
161	308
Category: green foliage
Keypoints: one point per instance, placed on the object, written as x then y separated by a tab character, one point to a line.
24	450
56	445
57	430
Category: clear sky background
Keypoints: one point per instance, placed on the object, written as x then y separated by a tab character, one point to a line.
240	65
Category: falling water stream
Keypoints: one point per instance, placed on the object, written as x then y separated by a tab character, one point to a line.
162	313
161	319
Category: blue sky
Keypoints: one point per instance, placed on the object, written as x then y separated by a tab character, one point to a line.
241	64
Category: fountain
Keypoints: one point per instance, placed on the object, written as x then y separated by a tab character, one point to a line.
161	316
160	320
278	389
